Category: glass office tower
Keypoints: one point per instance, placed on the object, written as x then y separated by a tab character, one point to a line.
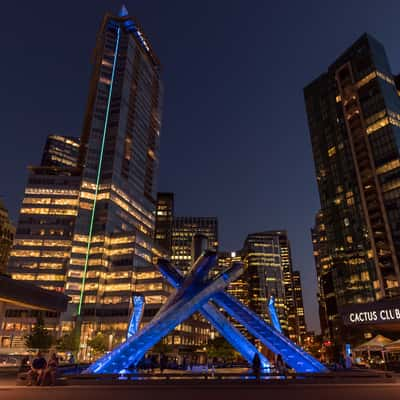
354	118
293	323
164	221
183	231
112	243
42	245
299	308
264	272
87	222
7	232
61	151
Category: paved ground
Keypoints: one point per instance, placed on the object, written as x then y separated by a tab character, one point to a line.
282	391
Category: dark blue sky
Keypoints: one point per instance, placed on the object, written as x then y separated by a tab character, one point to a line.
235	142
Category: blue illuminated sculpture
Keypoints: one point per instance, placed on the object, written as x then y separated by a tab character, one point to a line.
273	315
197	292
137	314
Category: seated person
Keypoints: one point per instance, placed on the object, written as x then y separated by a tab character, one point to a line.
51	370
37	369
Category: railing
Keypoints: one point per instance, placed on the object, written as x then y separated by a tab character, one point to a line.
226	377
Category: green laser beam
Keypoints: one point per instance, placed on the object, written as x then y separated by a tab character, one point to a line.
98	175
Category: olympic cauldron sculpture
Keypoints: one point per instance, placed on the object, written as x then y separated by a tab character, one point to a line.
197	291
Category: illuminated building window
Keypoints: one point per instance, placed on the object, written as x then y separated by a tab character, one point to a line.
118	287
377	125
46	277
389	166
366	79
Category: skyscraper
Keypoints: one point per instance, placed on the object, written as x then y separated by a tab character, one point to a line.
42	245
164	220
299	306
354	118
103	223
7	232
293	323
239	287
326	294
61	151
264	273
189	236
183	231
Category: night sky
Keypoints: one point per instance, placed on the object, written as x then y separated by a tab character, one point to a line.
235	141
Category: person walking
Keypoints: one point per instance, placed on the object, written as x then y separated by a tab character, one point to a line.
349	361
256	365
280	365
163	362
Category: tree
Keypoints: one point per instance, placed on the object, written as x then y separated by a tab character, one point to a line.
69	341
99	343
220	348
40	338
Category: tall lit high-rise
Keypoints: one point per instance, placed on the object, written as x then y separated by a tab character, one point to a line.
7	232
42	245
299	307
61	151
183	231
327	304
293	323
354	117
264	273
164	221
87	228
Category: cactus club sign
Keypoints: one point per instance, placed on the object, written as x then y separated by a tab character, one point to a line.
372	314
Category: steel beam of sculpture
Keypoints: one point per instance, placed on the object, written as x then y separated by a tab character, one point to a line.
273	315
137	314
194	292
293	355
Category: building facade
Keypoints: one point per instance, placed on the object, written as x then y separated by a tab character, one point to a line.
240	287
7	233
164	221
61	151
183	231
354	118
299	308
293	327
327	305
264	274
87	223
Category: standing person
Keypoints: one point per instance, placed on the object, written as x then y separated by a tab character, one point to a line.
147	363
153	363
256	365
349	361
163	362
280	365
51	370
71	359
37	369
184	363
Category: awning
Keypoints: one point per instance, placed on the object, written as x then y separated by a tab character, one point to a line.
394	346
378	343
